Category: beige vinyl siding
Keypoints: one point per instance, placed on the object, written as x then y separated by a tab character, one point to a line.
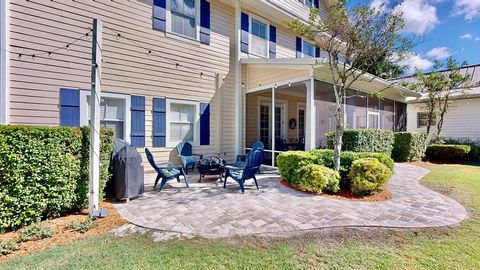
39	25
293	6
461	121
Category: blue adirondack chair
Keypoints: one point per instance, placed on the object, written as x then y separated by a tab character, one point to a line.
240	162
253	161
166	171
184	150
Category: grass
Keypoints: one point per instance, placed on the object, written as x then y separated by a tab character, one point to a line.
442	248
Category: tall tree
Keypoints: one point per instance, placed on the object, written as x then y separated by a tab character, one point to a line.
351	35
438	89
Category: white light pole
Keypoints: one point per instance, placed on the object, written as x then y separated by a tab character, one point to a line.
95	97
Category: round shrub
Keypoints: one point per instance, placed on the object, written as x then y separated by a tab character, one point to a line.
447	151
368	176
290	162
317	179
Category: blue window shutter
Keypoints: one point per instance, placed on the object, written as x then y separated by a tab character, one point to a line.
317	52
316	3
159	122
160	15
298	46
273	42
244	33
204	124
70	107
205	22
138	121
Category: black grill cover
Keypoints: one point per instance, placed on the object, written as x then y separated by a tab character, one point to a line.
127	171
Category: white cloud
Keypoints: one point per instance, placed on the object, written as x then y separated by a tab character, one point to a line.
466	36
414	61
439	53
379	3
470	9
419	15
470	36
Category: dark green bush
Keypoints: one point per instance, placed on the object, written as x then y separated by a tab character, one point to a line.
317	179
409	146
474	153
325	157
447	151
290	162
368	176
365	140
41	174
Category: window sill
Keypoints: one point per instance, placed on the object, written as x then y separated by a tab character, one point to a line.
186	39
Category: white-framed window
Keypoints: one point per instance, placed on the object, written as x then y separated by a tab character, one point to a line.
308	49
114	112
183	18
183	122
422	119
259	36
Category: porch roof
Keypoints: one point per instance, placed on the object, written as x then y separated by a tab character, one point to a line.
287	70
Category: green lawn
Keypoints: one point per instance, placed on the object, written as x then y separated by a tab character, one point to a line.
445	248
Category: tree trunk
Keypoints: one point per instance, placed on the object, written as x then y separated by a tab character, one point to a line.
339	128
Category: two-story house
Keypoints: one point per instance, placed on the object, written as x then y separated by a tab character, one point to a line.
218	73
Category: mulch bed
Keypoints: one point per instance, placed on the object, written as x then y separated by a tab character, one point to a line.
346	194
62	232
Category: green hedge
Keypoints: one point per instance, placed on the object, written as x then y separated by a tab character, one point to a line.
409	146
368	176
290	162
325	157
447	151
317	179
474	153
42	172
365	140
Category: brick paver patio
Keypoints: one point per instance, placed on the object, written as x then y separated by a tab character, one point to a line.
207	209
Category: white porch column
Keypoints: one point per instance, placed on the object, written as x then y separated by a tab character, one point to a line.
4	62
273	126
310	123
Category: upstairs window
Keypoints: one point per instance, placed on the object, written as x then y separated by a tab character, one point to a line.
307	3
308	50
184	17
259	38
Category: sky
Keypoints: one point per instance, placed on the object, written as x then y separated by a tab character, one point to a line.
444	27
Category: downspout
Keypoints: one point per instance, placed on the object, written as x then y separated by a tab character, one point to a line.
4	62
238	107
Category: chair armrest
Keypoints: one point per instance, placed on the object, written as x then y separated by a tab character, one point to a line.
198	155
229	167
167	165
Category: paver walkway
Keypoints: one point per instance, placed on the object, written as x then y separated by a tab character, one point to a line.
209	210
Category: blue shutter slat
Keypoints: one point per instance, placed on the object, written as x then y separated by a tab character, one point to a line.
298	46
316	3
273	42
70	107
204	124
160	15
317	52
159	122
244	33
138	121
205	22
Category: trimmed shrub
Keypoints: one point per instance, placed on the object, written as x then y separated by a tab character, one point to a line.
409	146
317	179
290	162
41	174
368	176
365	140
325	157
447	151
474	153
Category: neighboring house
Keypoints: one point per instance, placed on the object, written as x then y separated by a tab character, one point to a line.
462	119
210	78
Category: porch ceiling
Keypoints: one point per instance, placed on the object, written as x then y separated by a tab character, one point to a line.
264	73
